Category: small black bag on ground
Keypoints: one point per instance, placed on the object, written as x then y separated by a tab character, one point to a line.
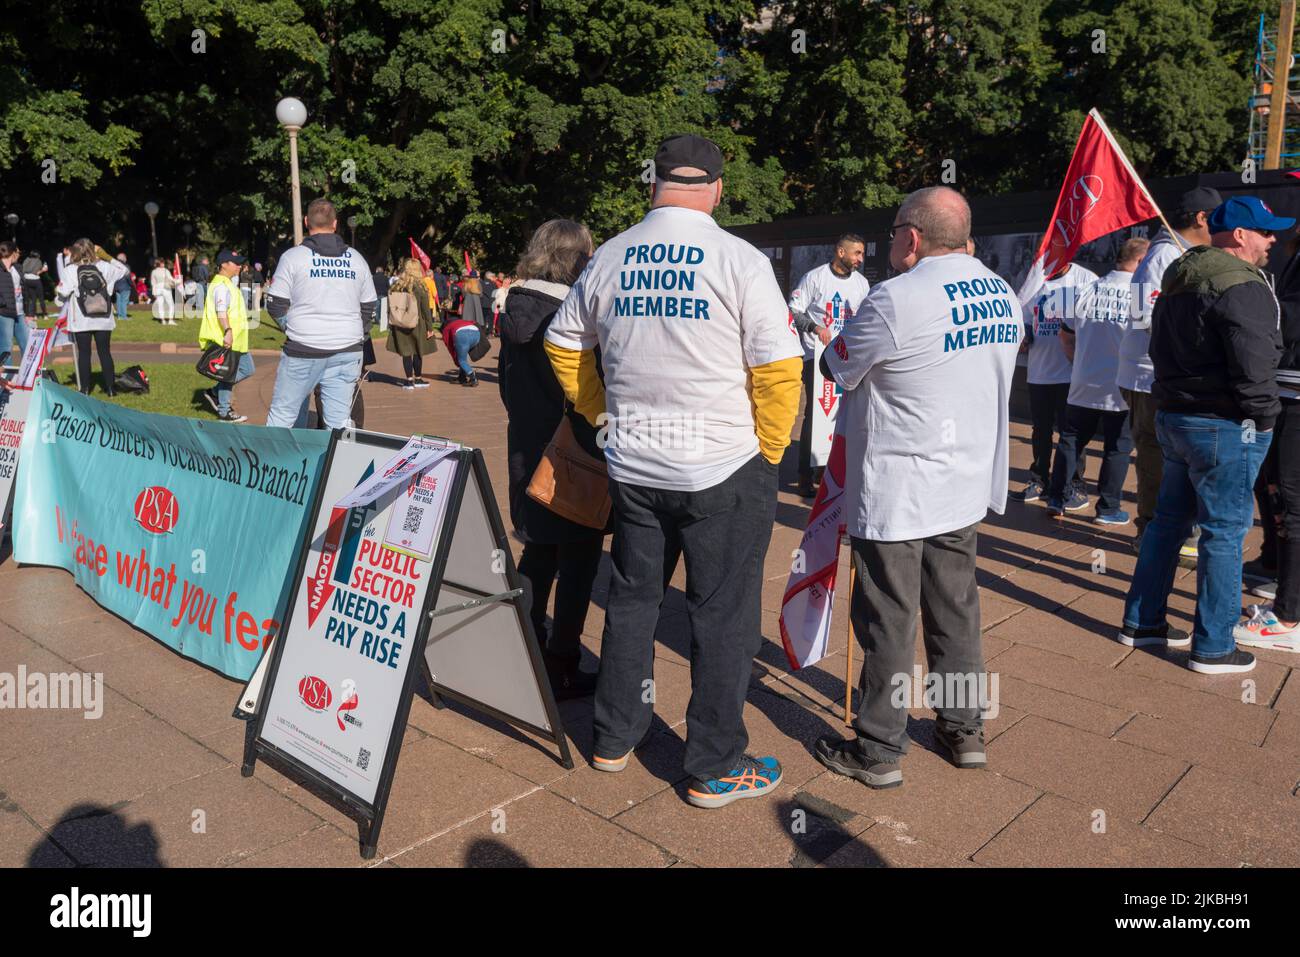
219	363
132	379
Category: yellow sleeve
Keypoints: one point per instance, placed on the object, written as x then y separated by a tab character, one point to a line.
774	397
576	371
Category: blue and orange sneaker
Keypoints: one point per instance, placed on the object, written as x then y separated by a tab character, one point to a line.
751	777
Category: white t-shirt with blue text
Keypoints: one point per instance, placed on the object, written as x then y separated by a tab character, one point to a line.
1101	318
828	298
681	310
926	365
1047	362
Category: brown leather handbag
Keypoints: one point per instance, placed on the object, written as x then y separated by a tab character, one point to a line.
571	483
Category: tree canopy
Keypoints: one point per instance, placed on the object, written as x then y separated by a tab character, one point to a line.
466	123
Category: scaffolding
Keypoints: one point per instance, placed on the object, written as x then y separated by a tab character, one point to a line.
1261	101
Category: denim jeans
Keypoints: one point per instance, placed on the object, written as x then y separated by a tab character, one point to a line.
724	532
296	379
1081	424
12	328
122	298
465	339
226	389
1210	466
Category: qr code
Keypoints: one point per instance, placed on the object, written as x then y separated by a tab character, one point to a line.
411	523
363	759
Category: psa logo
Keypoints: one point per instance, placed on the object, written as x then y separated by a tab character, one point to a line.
314	692
344	714
156	510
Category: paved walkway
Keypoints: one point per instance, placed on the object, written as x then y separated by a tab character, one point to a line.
1100	755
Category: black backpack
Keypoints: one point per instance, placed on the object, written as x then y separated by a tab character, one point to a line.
92	293
132	379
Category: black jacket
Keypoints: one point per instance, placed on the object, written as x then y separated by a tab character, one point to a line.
1215	339
8	294
534	403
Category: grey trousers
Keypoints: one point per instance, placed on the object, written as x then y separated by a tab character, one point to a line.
893	579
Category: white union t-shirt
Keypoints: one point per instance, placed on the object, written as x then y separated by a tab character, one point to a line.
1135	369
681	310
828	298
926	365
1102	316
1047	362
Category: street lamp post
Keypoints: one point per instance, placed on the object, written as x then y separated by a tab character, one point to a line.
12	220
151	210
189	253
352	225
292	115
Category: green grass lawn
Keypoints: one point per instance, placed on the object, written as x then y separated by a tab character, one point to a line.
142	327
173	390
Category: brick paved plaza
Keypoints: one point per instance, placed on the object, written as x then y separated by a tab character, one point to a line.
1187	770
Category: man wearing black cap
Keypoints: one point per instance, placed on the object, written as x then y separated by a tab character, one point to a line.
1135	374
225	323
1215	345
700	391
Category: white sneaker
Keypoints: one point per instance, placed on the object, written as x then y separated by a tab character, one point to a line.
1262	629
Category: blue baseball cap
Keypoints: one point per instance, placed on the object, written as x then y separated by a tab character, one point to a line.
1247	212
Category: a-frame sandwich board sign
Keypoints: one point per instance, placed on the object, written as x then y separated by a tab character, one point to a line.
391	574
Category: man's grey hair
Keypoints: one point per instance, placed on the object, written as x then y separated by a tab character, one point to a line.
941	214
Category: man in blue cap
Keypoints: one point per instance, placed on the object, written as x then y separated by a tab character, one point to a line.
1215	345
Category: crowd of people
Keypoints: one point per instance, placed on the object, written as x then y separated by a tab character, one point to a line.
669	357
1183	351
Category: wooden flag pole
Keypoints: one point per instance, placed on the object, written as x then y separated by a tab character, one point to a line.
848	647
1123	158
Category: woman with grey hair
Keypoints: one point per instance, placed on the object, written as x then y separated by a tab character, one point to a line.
535	404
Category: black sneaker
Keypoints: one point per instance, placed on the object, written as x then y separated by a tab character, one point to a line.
1162	635
472	381
806	489
965	746
843	757
566	680
210	397
1032	492
1235	662
1257	573
233	416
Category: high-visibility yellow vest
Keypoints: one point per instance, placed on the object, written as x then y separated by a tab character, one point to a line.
236	317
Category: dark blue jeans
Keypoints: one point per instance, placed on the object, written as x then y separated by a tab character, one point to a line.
1210	466
724	533
1081	424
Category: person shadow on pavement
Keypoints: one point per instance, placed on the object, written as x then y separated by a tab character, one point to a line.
92	834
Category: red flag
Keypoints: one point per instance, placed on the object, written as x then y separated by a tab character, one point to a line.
468	267
1101	194
176	267
418	253
810	590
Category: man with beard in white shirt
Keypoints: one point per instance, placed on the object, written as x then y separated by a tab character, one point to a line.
926	366
1048	377
824	300
1091	343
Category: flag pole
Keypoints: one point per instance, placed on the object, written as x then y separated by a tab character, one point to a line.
1123	158
848	647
